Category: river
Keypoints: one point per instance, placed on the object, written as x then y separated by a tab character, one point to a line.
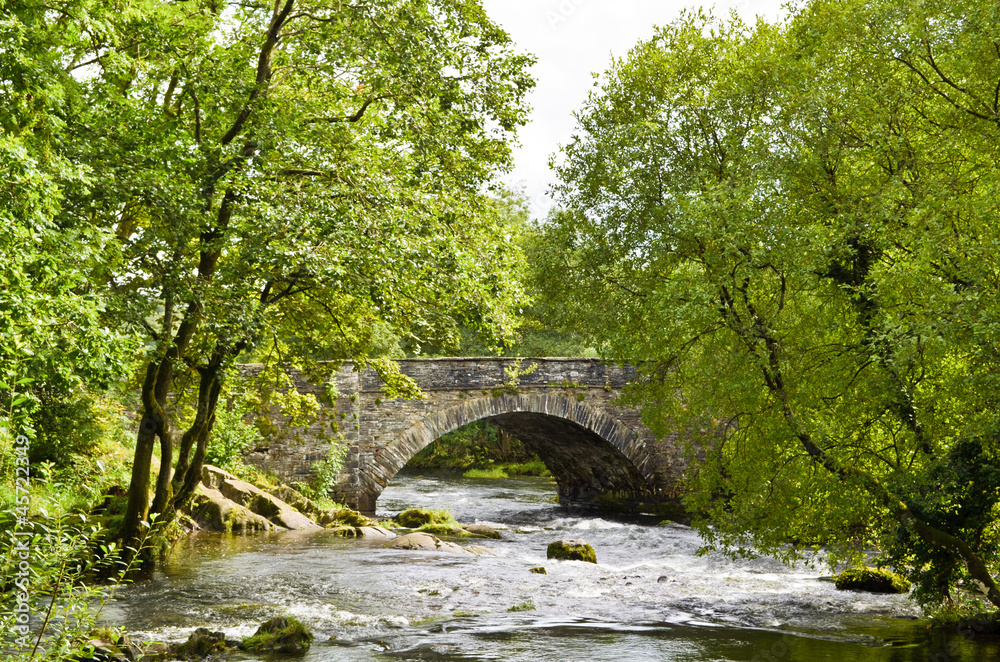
650	596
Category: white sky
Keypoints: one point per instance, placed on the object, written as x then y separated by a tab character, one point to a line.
571	39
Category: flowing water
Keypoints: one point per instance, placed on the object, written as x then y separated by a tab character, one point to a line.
650	597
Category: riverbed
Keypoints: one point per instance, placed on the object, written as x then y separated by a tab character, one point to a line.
651	596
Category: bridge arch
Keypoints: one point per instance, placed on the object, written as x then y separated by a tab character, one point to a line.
589	452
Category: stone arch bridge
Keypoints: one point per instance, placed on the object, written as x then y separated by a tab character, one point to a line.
564	410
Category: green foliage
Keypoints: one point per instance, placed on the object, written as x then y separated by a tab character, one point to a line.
59	574
478	446
792	229
288	183
327	469
485	473
231	437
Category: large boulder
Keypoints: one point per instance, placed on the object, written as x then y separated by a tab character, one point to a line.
571	550
279	635
872	580
425	542
213	511
265	505
297	500
255	500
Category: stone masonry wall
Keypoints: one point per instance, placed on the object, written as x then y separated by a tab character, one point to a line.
564	409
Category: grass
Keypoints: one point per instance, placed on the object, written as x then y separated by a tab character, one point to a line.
530	468
485	473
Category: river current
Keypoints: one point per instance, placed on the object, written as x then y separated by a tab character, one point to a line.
649	597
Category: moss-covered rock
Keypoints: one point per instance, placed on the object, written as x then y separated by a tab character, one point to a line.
279	635
872	580
343	517
538	570
482	531
200	645
415	517
571	550
444	530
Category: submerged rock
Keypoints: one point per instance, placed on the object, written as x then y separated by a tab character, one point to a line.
538	571
571	550
872	580
279	635
426	542
482	531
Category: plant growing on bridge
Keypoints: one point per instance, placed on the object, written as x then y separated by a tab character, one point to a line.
795	228
304	174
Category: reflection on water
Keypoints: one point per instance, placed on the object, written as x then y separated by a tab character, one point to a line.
650	597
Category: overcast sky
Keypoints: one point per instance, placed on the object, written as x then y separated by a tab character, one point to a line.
571	39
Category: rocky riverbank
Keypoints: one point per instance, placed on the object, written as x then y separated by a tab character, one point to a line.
224	503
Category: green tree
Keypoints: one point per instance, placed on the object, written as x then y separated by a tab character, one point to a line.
795	227
303	169
54	337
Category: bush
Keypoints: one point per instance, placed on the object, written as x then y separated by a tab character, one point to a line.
66	559
231	437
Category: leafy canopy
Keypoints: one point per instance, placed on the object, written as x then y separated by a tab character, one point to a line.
794	227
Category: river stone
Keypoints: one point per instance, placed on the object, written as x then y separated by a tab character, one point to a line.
571	550
370	532
414	517
425	541
211	510
297	500
213	476
199	645
265	505
342	517
872	580
482	531
279	635
376	532
538	571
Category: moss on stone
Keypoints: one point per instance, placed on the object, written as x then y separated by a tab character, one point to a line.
199	645
279	635
872	580
571	550
418	517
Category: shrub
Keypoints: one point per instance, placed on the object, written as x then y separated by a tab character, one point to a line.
231	437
